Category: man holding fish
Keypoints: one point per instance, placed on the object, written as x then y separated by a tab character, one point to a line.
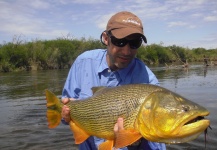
115	66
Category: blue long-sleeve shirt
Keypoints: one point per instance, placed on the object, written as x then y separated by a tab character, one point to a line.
90	69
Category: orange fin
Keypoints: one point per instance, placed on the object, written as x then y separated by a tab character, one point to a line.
53	118
54	107
79	134
126	137
107	145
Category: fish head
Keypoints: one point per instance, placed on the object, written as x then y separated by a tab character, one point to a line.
169	118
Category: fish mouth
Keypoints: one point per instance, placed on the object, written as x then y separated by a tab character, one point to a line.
197	121
198	118
193	127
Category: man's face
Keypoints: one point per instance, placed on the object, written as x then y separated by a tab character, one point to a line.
119	57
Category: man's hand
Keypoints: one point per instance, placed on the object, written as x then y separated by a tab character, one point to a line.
65	110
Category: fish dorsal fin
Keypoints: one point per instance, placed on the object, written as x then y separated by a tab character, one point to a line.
97	90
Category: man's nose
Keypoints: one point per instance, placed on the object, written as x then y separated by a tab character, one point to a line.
126	50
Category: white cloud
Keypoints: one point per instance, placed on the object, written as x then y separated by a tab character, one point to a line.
38	4
88	1
17	18
210	18
208	41
178	23
101	22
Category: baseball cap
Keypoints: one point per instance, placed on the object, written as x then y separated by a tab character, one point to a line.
125	23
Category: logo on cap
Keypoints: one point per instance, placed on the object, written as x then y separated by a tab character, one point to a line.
131	20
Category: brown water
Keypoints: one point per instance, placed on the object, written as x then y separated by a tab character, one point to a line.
23	124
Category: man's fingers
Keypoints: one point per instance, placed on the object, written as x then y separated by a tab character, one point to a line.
65	110
116	127
66	113
65	100
119	125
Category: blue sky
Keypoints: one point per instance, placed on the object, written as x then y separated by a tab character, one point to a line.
186	23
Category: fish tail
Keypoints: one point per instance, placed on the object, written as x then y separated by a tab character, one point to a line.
54	107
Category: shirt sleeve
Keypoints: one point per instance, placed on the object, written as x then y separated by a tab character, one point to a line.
72	85
152	78
71	88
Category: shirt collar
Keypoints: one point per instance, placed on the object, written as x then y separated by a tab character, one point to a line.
103	64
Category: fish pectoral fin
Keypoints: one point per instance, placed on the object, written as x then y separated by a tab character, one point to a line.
107	145
79	134
126	137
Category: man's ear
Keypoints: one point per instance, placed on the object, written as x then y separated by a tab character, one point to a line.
105	38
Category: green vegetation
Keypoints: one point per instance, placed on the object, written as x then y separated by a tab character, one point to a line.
37	55
60	54
158	54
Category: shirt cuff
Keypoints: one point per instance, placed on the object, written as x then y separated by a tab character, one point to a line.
63	122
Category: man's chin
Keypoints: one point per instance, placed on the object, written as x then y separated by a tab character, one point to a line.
121	65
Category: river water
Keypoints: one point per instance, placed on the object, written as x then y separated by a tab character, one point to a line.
23	124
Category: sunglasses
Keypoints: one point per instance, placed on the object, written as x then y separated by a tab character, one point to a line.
134	44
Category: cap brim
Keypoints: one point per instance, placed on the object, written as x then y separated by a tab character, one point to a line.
123	32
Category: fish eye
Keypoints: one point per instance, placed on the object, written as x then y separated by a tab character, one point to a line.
185	108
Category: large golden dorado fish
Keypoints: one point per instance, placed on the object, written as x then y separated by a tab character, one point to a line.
149	111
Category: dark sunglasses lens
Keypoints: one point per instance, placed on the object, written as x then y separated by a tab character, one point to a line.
118	42
134	44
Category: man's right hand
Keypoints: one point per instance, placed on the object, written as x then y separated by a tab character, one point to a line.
65	110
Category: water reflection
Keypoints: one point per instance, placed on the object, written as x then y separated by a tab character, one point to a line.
23	107
205	70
